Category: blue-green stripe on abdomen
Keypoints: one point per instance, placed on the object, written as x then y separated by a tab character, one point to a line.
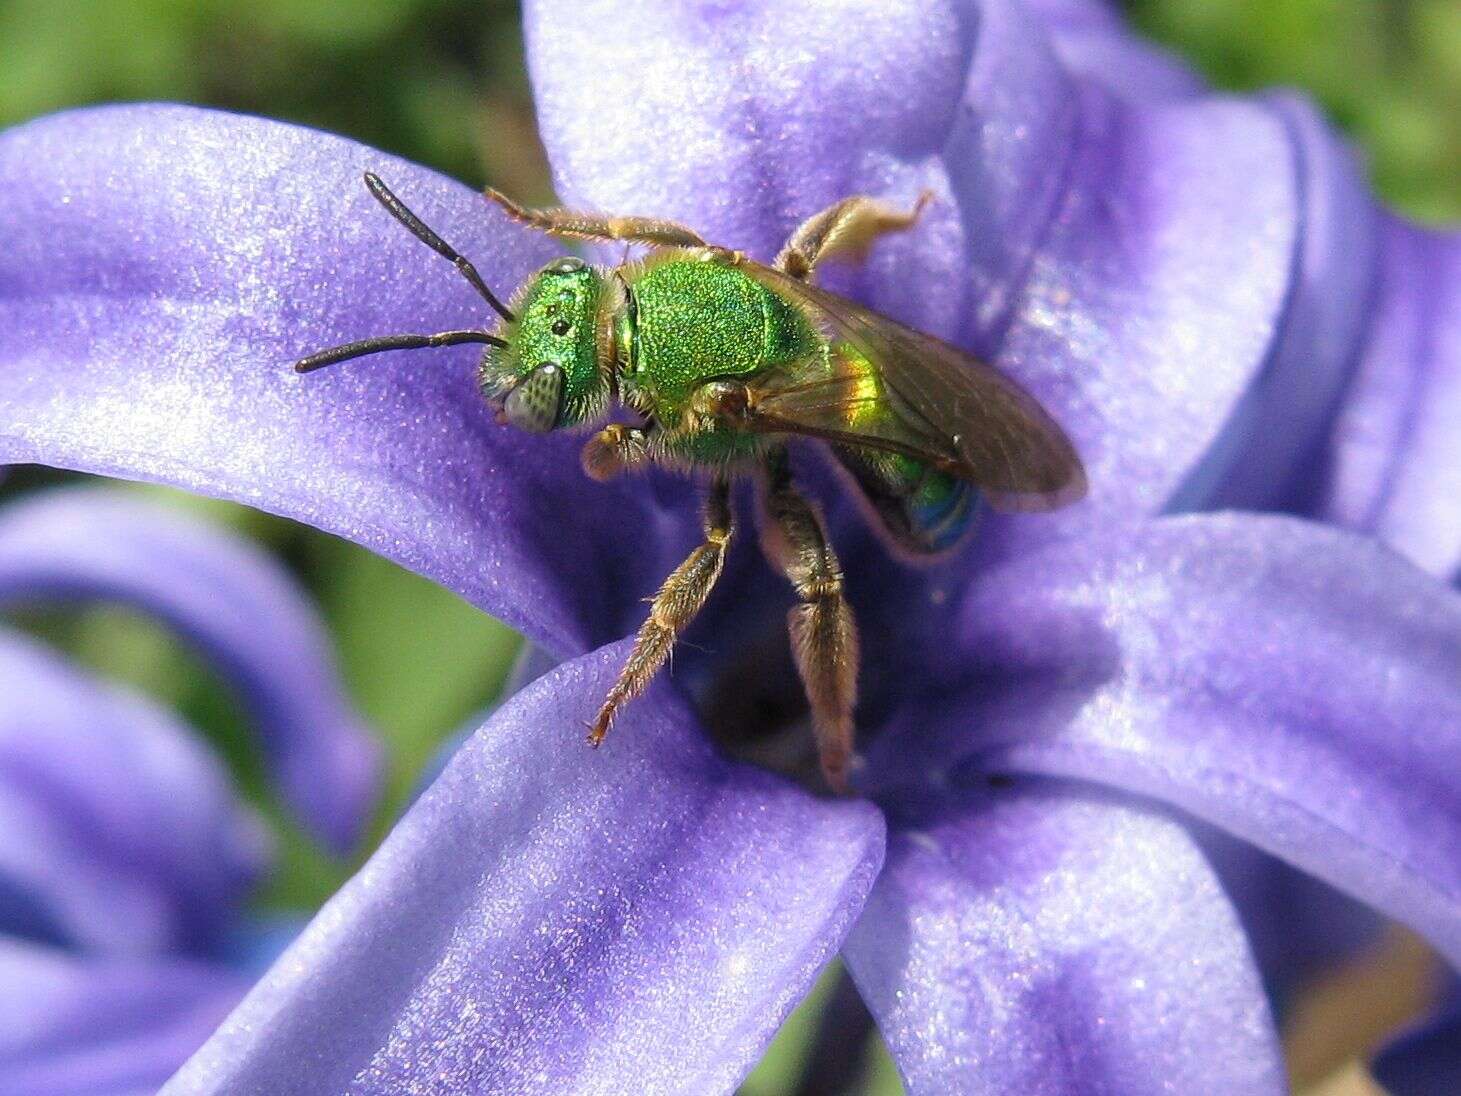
925	511
941	509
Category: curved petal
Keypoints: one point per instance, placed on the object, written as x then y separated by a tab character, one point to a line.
1122	320
532	662
236	605
121	833
1371	332
1094	41
547	918
739	119
1298	927
1044	940
1128	262
164	265
1394	465
1270	454
1293	684
106	1027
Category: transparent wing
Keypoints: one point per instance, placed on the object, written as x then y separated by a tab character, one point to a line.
929	400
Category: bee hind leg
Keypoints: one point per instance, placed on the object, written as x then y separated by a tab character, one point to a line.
673	607
823	632
845	229
570	225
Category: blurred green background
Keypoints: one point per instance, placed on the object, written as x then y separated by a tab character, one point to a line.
442	82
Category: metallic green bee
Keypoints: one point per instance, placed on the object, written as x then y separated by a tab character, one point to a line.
724	360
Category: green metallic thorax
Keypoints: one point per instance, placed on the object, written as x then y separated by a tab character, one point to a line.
686	320
690	321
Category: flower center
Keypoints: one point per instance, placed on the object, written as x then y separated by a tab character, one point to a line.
754	707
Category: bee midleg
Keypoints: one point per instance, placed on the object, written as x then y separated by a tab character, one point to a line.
673	607
823	632
571	225
843	230
614	449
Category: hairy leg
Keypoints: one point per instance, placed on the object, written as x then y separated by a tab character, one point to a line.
567	224
823	633
614	449
676	604
844	230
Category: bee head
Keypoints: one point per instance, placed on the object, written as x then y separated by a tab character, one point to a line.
550	373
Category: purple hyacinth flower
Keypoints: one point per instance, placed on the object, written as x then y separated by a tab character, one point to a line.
125	856
1015	911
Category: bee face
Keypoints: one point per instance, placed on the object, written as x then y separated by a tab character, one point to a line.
549	375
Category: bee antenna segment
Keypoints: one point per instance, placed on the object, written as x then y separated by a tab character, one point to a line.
349	351
418	228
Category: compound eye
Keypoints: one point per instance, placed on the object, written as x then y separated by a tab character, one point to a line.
569	264
533	404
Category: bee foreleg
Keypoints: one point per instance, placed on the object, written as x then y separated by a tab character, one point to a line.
844	230
673	607
571	225
823	632
614	449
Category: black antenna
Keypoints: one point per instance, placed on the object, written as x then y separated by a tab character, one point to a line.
397	209
391	342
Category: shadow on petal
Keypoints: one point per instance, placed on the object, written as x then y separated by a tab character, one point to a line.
1426	1060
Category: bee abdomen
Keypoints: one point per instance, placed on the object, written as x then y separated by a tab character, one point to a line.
924	511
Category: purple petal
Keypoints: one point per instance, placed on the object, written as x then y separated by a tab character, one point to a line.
1371	331
105	1027
1095	42
1128	262
236	605
1295	685
1269	455
1395	457
121	833
164	265
547	918
1298	927
1044	940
